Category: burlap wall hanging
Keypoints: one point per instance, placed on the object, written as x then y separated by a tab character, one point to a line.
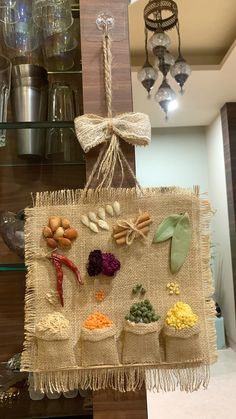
119	285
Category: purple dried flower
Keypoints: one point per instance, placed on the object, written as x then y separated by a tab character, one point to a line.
110	265
94	266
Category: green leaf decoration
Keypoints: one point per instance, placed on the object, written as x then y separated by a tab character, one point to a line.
180	244
166	229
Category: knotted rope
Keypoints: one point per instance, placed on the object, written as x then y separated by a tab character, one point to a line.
92	130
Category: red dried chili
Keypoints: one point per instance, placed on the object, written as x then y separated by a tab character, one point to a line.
59	272
57	261
63	259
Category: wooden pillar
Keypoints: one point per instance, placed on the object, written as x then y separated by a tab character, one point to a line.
109	403
228	118
93	74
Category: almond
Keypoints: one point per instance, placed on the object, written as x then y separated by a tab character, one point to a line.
71	233
54	223
64	242
52	243
65	223
47	232
58	233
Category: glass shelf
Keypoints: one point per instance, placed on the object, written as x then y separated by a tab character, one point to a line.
43	163
10	157
39	124
65	72
22	176
17	267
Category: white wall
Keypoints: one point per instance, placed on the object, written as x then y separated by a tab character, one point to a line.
220	228
176	156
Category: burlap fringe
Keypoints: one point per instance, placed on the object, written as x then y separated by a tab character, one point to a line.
30	250
73	197
188	377
125	379
206	214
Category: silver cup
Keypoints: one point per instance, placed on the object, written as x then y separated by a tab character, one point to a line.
29	103
5	84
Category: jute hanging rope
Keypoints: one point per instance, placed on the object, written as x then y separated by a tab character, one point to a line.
93	130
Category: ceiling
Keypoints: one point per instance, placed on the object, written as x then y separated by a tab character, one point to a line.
208	33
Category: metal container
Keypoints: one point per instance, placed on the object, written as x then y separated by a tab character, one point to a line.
28	70
29	103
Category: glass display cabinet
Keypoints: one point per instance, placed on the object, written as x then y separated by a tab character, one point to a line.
40	154
23	171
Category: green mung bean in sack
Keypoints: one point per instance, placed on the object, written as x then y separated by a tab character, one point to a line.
141	343
141	334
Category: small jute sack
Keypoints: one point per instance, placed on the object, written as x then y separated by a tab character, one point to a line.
141	343
54	346
98	347
182	345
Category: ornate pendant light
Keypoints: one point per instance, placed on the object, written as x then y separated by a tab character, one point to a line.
147	75
161	16
165	95
181	70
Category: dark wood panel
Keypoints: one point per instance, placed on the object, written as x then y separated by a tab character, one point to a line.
17	183
24	407
116	405
228	118
93	78
12	290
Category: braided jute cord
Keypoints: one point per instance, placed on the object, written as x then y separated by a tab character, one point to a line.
110	152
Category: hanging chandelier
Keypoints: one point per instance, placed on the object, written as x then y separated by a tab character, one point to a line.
161	16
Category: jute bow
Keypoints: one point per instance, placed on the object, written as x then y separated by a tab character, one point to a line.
92	130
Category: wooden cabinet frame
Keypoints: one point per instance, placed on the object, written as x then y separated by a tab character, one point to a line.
228	119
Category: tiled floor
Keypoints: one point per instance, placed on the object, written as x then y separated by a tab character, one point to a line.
217	402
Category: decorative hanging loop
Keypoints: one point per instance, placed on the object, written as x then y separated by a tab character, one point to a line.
93	130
